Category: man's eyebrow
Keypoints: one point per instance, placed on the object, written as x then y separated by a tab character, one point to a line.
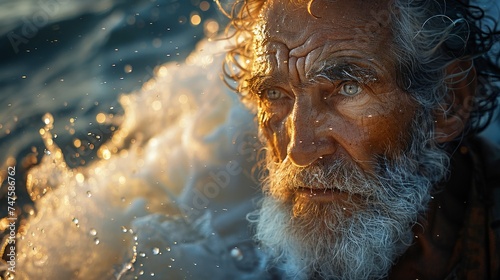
255	82
344	71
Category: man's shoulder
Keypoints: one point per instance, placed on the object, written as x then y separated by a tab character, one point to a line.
488	155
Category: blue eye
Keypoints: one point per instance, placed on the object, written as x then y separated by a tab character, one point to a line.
350	89
273	94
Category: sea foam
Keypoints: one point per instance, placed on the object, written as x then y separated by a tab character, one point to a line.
176	171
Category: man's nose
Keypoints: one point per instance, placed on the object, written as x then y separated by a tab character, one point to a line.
309	139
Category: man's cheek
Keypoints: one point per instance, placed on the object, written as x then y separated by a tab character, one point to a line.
361	108
277	135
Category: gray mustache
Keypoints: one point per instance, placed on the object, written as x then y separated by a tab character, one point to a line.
326	173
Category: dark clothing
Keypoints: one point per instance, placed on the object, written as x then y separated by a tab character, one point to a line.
481	234
459	237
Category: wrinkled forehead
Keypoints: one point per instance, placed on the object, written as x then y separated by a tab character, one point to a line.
321	27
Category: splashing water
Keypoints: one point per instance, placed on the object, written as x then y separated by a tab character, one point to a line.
181	137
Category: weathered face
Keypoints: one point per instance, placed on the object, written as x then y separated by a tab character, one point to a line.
327	82
346	160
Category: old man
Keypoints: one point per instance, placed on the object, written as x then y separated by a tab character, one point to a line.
370	112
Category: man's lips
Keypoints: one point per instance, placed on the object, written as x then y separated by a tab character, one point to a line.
323	195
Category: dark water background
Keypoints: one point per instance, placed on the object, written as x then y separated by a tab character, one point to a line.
73	59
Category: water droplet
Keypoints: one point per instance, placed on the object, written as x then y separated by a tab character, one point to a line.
129	266
156	251
236	253
142	254
89	194
124	229
152	274
128	68
75	221
172	259
96	241
93	232
48	119
141	272
168	249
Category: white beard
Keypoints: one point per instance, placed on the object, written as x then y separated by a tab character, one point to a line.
309	239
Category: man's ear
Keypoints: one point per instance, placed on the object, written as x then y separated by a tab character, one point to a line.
453	115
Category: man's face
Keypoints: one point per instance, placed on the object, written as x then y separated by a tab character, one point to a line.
326	93
343	149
